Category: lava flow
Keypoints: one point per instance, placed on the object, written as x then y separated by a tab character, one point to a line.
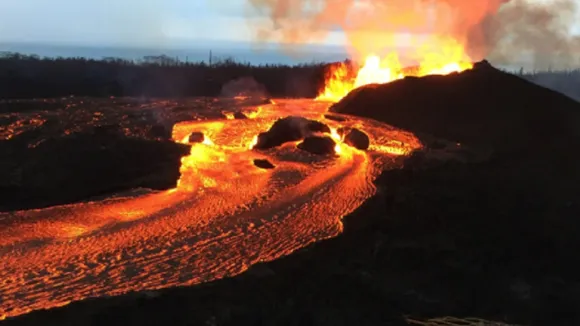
225	215
438	56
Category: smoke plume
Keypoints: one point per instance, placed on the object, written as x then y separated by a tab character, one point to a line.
504	31
540	34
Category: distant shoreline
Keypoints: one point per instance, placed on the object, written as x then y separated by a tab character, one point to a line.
239	52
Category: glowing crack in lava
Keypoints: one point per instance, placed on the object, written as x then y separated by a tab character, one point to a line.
225	215
441	57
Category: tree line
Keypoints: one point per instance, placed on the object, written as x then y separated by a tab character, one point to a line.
31	76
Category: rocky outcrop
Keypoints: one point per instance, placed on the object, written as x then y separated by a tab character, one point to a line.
357	139
289	129
319	145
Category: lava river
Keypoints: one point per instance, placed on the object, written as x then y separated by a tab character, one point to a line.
225	215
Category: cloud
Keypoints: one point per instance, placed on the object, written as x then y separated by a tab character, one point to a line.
497	29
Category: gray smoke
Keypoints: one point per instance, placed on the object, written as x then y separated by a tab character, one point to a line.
533	33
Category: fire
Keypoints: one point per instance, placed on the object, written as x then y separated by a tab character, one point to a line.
439	56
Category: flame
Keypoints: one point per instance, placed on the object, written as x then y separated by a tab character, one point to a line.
229	115
438	56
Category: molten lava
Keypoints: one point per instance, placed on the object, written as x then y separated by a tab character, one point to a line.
253	142
338	139
225	215
440	56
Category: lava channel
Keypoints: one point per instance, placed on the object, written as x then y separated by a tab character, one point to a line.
225	215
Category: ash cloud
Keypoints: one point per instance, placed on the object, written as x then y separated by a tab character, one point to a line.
533	33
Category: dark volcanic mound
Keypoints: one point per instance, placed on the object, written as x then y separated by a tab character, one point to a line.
83	165
288	129
317	126
357	139
482	106
319	145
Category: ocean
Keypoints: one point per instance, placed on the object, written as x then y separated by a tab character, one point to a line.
237	51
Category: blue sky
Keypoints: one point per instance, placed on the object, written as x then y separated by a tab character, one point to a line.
141	23
138	22
161	23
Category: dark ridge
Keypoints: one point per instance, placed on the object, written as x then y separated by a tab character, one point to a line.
483	107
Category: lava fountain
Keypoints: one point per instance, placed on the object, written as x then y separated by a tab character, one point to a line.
437	56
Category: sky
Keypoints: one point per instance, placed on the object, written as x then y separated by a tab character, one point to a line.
149	24
146	23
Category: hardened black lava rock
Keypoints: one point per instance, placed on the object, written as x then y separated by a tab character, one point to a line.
263	164
335	117
289	129
483	107
357	139
319	145
83	165
196	137
239	115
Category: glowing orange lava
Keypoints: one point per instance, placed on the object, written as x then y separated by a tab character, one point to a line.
225	214
254	142
338	139
441	56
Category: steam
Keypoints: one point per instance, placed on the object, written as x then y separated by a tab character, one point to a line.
537	32
244	86
540	34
